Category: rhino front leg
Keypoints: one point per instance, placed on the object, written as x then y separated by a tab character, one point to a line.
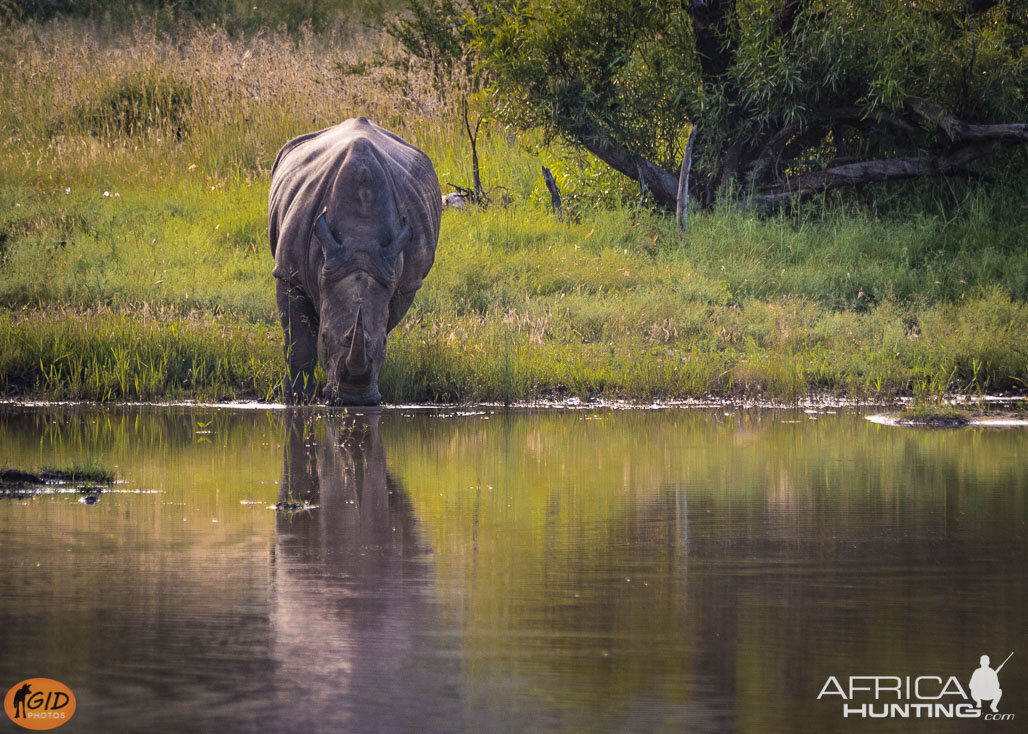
300	326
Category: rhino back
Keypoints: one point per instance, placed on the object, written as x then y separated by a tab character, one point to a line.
301	184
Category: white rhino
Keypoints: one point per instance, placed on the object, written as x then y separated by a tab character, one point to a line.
353	218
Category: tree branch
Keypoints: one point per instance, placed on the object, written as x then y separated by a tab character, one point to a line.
855	174
860	114
958	131
762	165
642	186
473	138
982	6
936	115
733	156
663	185
551	184
1011	132
682	205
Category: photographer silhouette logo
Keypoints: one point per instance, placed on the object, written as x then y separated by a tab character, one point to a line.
39	703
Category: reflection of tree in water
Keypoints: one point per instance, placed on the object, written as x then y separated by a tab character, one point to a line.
354	618
595	594
570	563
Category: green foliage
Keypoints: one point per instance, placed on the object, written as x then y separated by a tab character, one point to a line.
521	305
933	415
437	31
632	73
120	357
584	181
47	9
589	69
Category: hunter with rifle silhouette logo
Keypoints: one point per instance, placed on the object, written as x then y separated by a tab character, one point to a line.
985	683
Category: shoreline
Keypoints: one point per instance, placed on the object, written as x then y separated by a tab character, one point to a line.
811	404
1006	421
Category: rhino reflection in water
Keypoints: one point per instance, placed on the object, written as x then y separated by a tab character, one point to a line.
356	625
353	219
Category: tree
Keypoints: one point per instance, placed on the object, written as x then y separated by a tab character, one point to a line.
438	31
788	97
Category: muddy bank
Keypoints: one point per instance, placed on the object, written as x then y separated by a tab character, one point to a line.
950	419
90	481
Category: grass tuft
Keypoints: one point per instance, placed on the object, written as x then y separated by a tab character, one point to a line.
135	104
78	472
934	415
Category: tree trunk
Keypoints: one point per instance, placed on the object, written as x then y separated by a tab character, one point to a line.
682	205
551	184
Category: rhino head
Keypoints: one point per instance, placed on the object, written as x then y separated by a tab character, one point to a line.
357	282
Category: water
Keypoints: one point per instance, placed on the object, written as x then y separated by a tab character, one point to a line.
523	571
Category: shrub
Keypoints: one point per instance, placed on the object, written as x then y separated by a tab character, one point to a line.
137	103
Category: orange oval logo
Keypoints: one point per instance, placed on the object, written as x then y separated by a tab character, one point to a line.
39	703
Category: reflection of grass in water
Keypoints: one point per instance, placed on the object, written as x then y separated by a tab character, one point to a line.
524	513
529	518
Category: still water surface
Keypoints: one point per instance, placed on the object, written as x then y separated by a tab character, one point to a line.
523	571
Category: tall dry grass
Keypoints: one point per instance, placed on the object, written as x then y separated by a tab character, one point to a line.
244	96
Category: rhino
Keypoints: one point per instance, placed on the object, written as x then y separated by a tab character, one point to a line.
353	219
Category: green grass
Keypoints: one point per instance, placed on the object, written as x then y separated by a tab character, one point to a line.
934	415
134	261
77	472
16	479
120	356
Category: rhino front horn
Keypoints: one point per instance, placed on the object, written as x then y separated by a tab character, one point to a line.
357	358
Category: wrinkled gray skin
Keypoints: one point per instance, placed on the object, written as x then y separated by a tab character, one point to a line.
353	217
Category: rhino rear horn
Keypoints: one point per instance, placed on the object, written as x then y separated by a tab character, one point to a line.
357	357
399	244
324	234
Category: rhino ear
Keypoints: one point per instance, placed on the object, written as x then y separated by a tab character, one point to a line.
324	234
399	244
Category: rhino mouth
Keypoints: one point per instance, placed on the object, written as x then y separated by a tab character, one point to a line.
349	389
341	395
355	382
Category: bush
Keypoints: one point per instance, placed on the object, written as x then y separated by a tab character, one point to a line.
135	104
